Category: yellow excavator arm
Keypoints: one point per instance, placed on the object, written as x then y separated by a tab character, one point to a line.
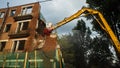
104	25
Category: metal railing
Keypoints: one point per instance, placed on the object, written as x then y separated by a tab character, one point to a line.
34	59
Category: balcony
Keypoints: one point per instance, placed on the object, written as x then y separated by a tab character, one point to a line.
23	17
20	34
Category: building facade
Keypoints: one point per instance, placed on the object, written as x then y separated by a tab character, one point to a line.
18	26
22	42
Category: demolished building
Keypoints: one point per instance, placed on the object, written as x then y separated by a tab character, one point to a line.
22	41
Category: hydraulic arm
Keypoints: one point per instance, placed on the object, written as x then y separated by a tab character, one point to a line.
104	25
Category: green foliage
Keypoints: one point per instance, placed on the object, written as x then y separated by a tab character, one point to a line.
110	10
81	25
82	51
67	50
74	46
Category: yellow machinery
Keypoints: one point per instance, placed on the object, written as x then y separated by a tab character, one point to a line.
104	25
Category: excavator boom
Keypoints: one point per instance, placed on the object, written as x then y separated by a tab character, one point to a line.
104	25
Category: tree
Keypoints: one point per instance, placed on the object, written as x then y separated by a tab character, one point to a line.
110	10
81	41
77	44
67	51
82	51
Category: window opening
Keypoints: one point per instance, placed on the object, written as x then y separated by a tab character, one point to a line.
21	45
12	12
27	10
22	26
7	28
2	45
25	25
18	45
2	14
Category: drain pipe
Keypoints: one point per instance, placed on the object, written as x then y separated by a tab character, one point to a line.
4	18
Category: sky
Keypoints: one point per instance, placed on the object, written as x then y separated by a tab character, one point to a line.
53	11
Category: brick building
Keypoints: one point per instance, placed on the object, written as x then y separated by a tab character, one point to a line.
22	42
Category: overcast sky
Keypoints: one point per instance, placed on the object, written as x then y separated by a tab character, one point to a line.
53	11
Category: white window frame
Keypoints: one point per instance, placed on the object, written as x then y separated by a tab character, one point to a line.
21	24
16	45
11	10
18	26
26	9
16	49
37	24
